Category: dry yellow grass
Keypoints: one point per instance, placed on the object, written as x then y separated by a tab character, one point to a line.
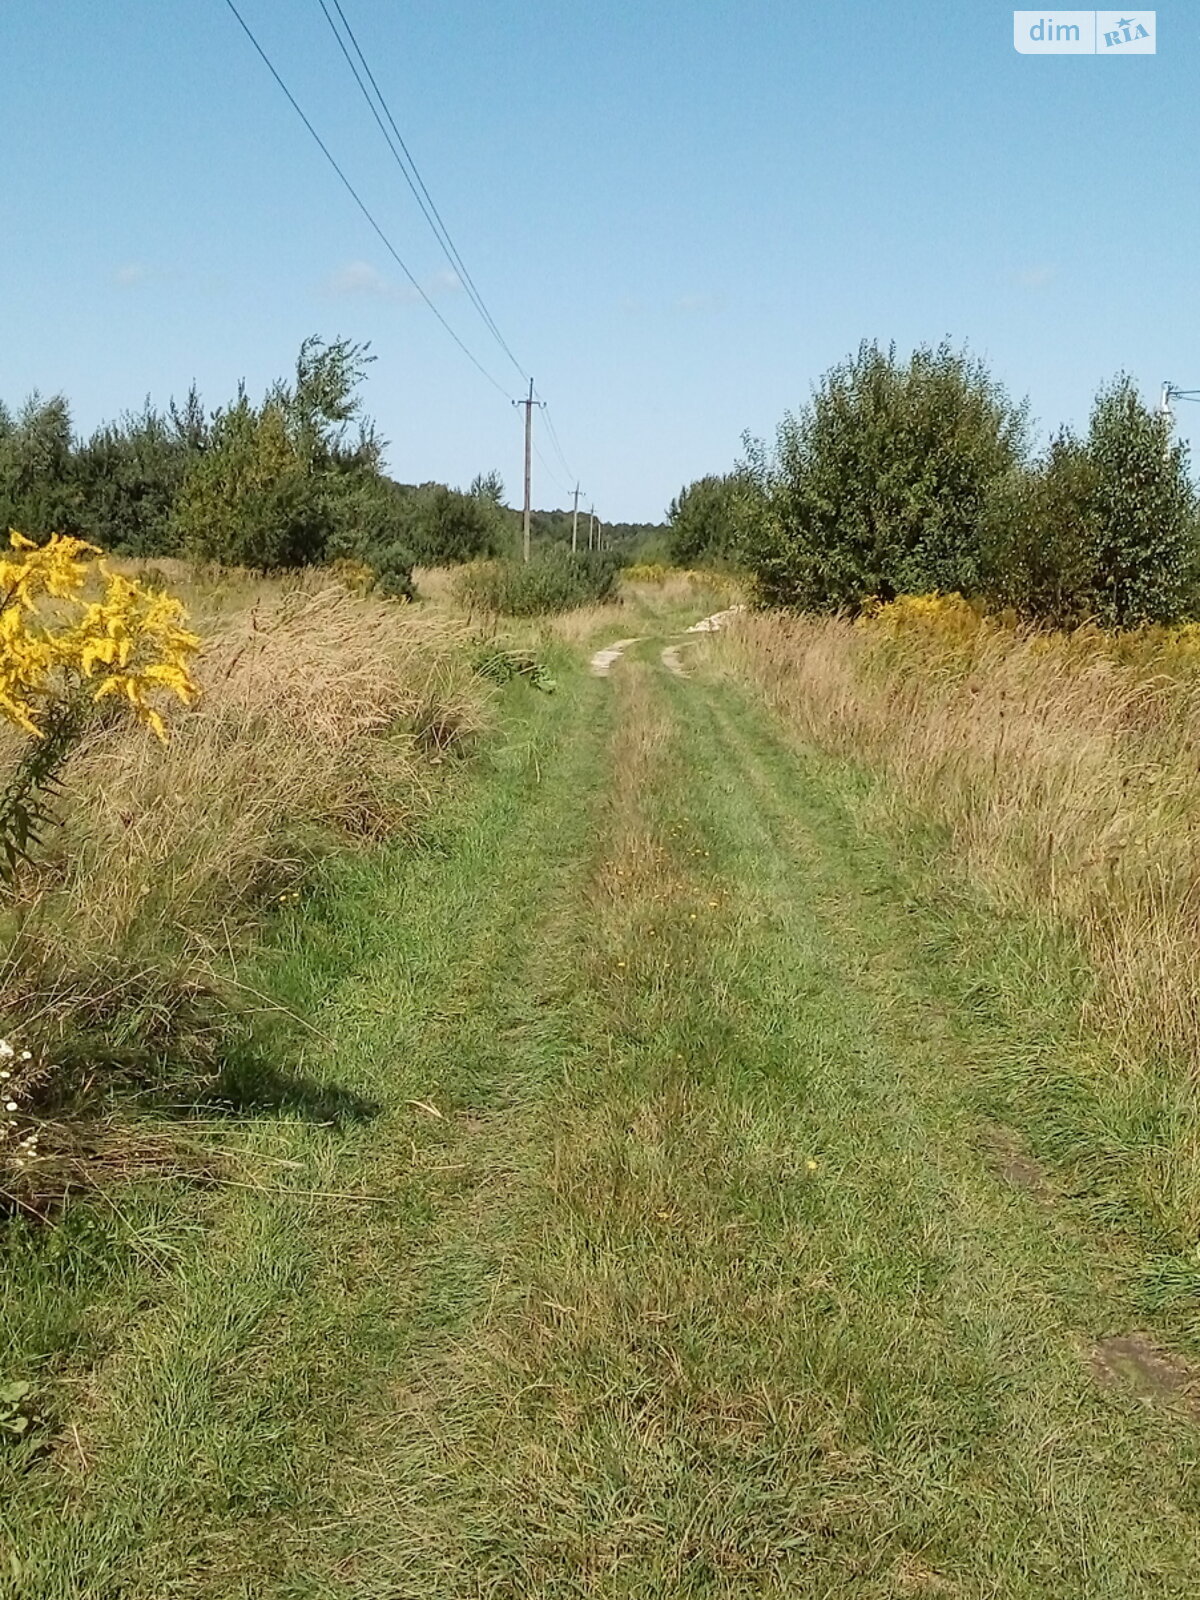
435	586
322	715
1065	768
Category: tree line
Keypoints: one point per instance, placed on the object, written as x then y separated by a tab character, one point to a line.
918	474
289	480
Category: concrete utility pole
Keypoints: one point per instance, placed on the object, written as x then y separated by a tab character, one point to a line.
1171	393
575	523
529	405
591	525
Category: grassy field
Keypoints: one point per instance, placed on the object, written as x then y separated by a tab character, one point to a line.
324	724
658	1200
1056	775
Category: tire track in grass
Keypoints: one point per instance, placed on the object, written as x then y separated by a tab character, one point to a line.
225	1440
693	1280
1028	1297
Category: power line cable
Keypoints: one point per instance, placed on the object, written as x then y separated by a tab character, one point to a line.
412	174
550	470
554	439
360	202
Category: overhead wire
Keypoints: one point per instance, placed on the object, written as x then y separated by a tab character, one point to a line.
553	432
404	159
360	202
550	470
412	175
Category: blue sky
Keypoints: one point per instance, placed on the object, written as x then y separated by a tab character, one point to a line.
679	215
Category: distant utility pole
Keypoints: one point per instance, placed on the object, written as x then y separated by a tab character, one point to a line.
1169	393
529	405
575	523
591	525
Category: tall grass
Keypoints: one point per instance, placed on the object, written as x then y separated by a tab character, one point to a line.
321	718
1064	770
554	580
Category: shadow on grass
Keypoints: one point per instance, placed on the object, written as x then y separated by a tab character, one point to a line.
249	1084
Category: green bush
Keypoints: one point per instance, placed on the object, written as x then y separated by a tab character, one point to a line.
129	474
1101	529
38	491
392	565
703	521
448	527
250	500
371	527
878	487
1037	538
554	580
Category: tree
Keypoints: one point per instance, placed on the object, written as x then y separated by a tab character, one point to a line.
878	487
250	499
702	521
322	403
455	527
1144	512
38	492
1039	537
1103	528
488	486
129	475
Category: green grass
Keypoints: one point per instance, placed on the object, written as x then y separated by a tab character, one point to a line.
687	1258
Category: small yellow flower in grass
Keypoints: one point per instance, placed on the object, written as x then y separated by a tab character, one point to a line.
810	1165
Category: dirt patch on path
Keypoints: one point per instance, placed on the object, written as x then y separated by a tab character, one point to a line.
1003	1153
603	660
1156	1376
718	620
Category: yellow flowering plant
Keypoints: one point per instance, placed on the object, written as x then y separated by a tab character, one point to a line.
947	618
72	636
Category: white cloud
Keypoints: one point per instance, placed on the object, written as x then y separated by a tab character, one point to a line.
1037	277
697	302
361	278
132	274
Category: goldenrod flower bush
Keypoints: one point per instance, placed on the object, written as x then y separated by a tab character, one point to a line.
74	634
134	635
1064	772
315	715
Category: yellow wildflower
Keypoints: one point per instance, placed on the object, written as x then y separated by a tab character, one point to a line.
138	635
57	568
